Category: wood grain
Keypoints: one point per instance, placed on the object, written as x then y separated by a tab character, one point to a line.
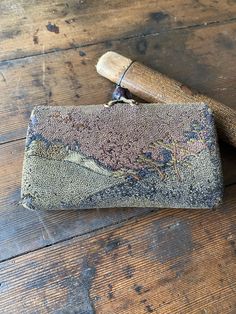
179	261
202	58
72	79
154	86
25	32
115	261
23	230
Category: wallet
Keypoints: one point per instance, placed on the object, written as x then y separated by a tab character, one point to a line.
145	155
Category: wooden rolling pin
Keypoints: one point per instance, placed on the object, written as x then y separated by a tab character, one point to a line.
156	87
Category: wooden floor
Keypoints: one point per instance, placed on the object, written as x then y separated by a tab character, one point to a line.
117	260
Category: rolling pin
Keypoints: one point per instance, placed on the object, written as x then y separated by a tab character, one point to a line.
153	86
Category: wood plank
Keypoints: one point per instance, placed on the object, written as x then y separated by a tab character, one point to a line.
201	58
23	230
171	261
28	26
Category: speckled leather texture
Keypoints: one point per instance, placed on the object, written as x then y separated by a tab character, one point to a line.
147	155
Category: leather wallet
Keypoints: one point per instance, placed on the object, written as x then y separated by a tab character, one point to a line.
146	155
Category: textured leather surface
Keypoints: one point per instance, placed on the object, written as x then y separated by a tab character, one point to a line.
149	155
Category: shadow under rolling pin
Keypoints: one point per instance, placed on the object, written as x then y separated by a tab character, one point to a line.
156	87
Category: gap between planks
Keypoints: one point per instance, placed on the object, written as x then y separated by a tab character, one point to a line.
87	234
179	28
104	229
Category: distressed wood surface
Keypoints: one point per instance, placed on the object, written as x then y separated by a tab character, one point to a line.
117	260
153	86
172	261
23	230
201	58
33	27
